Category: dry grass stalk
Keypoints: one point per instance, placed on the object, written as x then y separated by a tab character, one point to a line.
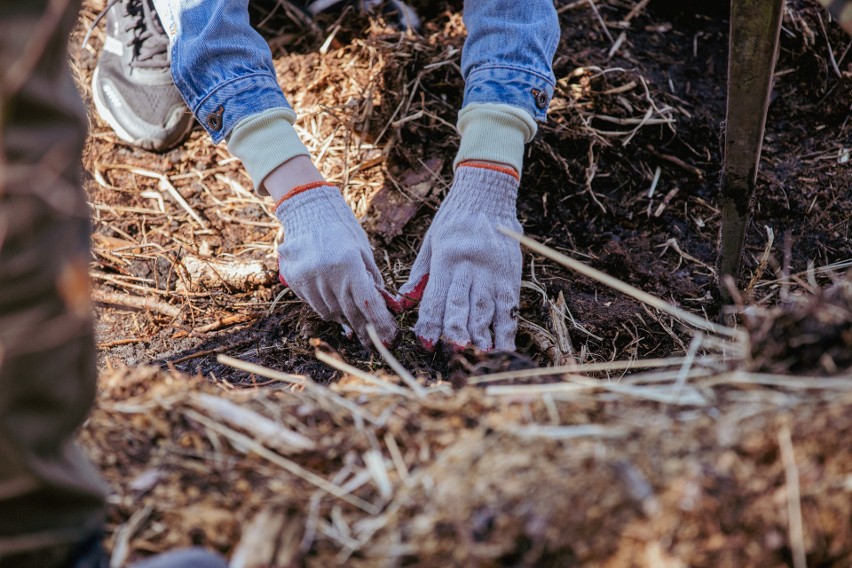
667	394
249	445
166	185
567	432
796	530
261	370
394	364
682	315
317	391
581	369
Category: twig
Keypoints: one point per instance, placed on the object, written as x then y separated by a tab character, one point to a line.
636	10
654	182
164	184
396	456
394	364
780	381
137	302
764	261
600	20
226	321
117	342
581	384
674	160
623	287
794	504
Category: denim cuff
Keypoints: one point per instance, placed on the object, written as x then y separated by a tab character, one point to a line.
494	133
233	101
264	141
509	85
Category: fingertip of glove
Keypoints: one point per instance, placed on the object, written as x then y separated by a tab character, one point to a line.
427	345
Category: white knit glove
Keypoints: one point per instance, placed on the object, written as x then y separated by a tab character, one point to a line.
327	261
467	275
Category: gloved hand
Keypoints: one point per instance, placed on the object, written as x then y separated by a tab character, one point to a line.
467	275
327	261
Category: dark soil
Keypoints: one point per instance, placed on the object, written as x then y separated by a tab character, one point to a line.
585	191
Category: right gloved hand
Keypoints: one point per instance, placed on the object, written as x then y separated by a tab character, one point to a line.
326	260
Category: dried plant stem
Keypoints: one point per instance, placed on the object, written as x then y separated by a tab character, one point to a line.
318	391
580	369
586	270
683	374
165	185
394	364
260	370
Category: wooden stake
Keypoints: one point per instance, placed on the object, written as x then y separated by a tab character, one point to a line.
755	29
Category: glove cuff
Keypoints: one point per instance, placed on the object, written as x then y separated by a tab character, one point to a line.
301	189
308	207
484	188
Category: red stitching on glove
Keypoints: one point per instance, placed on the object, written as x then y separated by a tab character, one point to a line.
301	189
487	166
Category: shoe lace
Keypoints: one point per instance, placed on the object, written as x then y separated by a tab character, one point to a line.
149	41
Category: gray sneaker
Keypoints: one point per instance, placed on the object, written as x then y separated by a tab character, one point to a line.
132	84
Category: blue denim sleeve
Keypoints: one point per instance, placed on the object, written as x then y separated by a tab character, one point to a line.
220	64
508	54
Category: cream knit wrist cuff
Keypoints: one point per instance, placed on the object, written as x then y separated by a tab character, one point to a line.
264	141
494	133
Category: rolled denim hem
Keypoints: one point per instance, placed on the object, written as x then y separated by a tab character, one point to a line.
231	102
264	141
515	86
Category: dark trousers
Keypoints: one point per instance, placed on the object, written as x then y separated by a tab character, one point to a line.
51	498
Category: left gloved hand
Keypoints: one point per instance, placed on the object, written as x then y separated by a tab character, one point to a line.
326	260
467	275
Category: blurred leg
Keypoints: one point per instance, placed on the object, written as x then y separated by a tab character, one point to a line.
50	496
